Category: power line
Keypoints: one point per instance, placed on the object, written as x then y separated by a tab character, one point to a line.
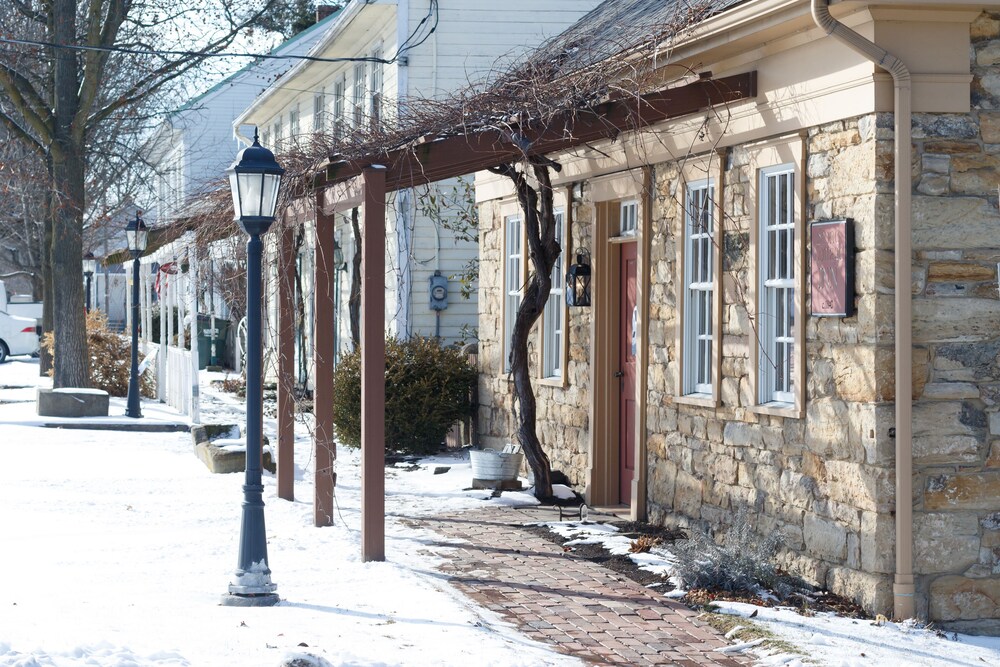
403	48
200	54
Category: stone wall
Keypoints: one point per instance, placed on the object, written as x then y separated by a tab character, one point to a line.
957	357
824	483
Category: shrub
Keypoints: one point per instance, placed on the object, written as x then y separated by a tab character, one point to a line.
427	389
743	562
110	358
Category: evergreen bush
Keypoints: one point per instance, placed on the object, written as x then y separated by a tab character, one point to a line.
427	389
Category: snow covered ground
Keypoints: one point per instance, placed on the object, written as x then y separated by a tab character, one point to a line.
116	547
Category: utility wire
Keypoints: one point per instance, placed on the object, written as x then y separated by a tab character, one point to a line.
403	48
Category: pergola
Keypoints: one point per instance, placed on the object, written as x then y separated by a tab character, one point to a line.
345	184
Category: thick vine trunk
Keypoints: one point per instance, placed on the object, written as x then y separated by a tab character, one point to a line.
543	250
354	303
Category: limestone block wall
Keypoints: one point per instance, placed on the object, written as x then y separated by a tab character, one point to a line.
823	482
957	339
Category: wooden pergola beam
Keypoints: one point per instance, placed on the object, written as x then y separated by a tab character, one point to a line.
432	159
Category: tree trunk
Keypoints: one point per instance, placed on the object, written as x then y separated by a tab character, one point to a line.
543	249
71	367
67	152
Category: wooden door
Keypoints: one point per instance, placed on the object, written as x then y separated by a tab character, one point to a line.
628	339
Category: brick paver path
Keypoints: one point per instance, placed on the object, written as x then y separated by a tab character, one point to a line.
583	608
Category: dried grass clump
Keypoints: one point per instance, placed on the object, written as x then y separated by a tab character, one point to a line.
744	562
110	358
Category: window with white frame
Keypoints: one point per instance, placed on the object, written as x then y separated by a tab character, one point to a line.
265	139
629	219
553	322
375	89
776	291
513	256
359	93
293	123
276	132
699	281
319	111
338	106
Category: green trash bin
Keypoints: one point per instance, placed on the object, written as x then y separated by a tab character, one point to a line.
205	340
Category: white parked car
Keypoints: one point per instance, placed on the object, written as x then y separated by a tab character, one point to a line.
18	335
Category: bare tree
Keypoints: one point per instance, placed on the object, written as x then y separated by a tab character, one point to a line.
76	69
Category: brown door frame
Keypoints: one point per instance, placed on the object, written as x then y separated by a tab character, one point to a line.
602	471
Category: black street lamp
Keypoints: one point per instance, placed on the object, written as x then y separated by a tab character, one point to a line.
89	265
135	236
254	179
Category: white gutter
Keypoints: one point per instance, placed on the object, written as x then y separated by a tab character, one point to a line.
903	588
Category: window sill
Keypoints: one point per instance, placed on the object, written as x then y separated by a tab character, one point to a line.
777	409
700	400
557	382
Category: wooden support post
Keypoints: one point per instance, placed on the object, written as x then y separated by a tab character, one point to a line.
286	361
373	366
325	448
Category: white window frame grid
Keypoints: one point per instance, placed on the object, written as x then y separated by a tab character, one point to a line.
294	126
513	252
776	288
319	111
554	313
265	138
699	287
339	93
628	218
376	84
359	93
276	132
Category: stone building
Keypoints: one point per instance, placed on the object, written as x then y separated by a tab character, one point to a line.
751	325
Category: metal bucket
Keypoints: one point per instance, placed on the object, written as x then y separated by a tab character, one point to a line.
489	464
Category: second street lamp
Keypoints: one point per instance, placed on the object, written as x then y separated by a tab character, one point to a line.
254	179
89	265
135	235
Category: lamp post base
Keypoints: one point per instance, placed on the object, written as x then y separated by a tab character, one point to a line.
265	600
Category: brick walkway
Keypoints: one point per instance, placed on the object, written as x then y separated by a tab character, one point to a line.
583	608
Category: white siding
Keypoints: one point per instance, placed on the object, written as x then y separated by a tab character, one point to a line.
475	38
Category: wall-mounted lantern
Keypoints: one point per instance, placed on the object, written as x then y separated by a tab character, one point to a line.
578	280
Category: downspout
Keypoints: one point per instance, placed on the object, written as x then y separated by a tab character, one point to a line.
903	588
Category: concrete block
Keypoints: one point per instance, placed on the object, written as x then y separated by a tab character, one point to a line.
72	402
222	450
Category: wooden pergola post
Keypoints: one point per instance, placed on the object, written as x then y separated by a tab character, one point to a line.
373	366
286	361
325	448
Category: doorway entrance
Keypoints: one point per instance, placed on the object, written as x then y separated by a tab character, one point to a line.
628	317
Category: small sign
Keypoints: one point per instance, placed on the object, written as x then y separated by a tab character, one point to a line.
831	268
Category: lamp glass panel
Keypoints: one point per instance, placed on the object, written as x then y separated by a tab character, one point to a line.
250	191
234	189
269	202
89	265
